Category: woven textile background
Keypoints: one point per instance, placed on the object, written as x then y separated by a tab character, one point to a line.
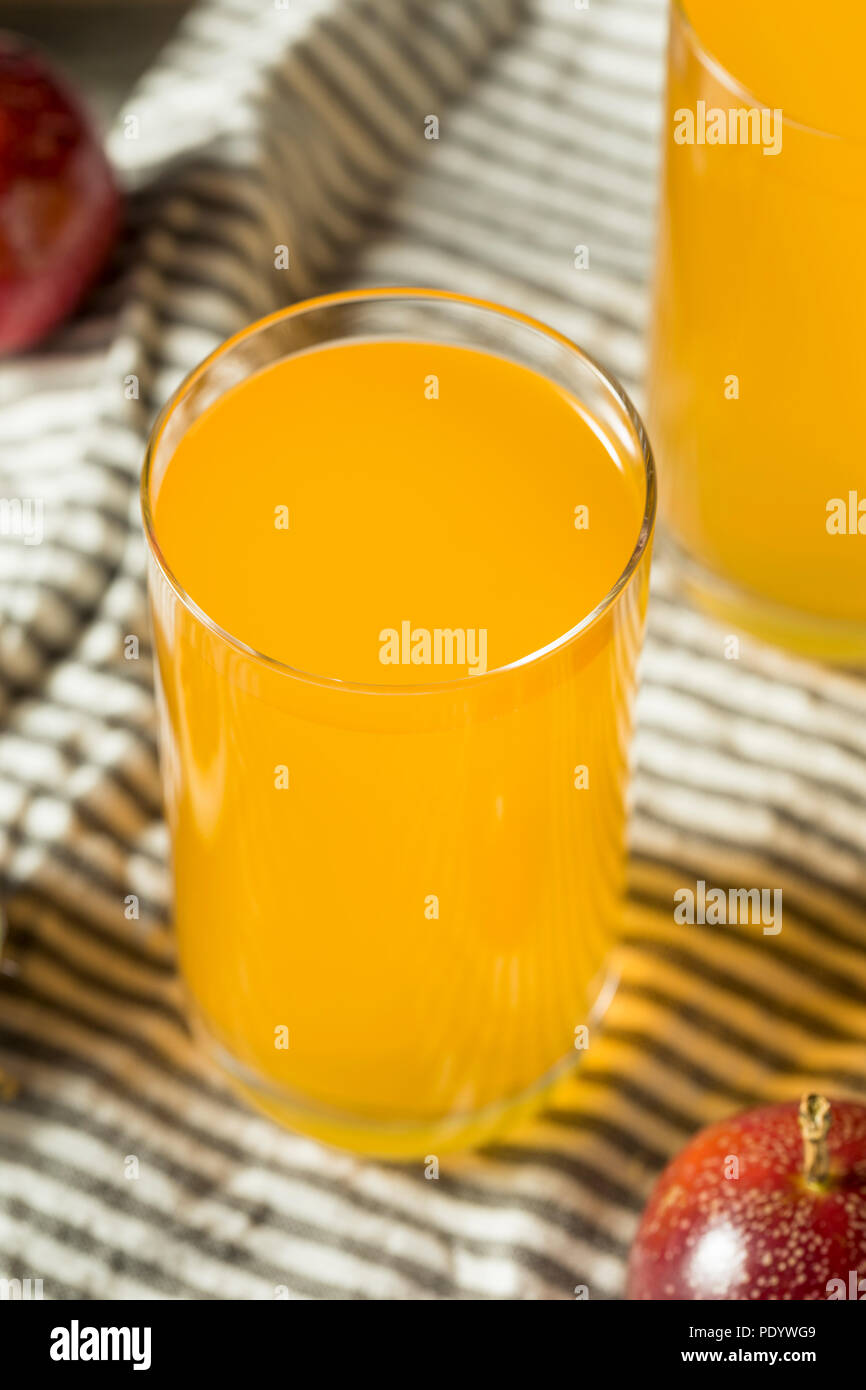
302	124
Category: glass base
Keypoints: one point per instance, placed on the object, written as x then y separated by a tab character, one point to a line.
393	1140
832	640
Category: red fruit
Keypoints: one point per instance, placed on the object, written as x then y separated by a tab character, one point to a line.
58	200
768	1205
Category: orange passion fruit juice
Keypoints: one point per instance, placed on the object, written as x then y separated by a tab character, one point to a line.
395	795
758	343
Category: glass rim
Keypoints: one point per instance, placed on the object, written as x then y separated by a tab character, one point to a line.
402	293
738	88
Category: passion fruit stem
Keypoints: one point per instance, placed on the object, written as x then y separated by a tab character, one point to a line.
814	1118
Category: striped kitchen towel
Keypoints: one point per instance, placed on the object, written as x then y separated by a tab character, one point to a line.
301	123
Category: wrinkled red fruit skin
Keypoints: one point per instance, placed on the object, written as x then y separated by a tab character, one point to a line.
765	1234
59	204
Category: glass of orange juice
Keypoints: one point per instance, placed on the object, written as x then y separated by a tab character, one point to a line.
399	548
758	350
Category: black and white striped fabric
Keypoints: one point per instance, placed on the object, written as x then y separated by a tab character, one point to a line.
302	124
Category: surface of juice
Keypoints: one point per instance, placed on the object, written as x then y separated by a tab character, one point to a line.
418	884
758	349
794	54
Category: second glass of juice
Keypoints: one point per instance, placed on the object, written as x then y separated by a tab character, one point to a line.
758	349
399	553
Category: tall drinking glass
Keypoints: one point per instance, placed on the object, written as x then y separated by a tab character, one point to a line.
399	546
758	349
